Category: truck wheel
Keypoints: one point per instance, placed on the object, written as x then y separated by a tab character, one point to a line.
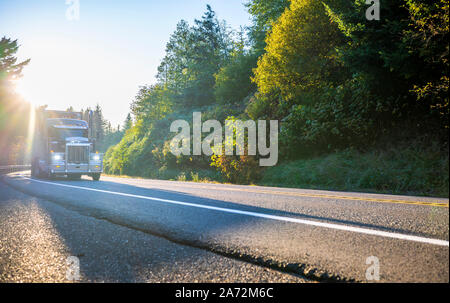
35	170
38	172
96	177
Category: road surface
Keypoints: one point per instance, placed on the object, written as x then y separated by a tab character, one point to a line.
150	230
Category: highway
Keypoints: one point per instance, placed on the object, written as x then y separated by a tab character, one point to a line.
140	230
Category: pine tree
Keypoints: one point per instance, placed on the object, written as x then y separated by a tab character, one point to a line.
128	123
98	124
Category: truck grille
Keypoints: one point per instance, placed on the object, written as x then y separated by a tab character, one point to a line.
78	154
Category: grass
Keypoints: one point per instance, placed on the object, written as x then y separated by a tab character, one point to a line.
407	171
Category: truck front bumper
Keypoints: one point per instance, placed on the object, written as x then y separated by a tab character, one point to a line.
84	169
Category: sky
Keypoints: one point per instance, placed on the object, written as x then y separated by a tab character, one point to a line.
103	53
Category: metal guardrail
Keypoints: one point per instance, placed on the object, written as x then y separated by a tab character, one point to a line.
13	168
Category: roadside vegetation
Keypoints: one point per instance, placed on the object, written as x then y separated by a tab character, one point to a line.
412	171
362	105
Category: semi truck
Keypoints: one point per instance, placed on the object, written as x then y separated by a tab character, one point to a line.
63	145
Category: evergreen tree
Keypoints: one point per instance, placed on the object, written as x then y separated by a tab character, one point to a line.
98	125
193	56
128	123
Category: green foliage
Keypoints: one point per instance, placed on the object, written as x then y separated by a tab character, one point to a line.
300	54
151	104
336	80
128	123
9	68
427	37
411	169
193	56
201	63
343	116
264	13
111	138
233	82
340	85
242	169
238	169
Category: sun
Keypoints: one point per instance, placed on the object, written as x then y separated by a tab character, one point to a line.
23	90
20	89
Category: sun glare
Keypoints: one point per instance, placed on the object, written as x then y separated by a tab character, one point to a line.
21	89
31	128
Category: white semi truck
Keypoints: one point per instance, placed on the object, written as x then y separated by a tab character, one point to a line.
63	145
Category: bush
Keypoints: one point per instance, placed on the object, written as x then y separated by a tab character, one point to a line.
237	169
234	168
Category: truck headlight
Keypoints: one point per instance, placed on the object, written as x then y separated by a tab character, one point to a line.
96	158
57	157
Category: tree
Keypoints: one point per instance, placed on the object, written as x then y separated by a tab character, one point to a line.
337	80
128	123
172	71
13	126
151	104
233	83
98	125
403	59
109	129
193	56
9	68
265	13
427	37
300	53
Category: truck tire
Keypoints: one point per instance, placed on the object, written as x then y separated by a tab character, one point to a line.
36	171
96	177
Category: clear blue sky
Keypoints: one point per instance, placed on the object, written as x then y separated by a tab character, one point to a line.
103	57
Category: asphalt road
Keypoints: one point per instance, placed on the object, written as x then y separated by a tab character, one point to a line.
38	238
220	233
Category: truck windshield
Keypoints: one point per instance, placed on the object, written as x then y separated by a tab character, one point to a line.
63	133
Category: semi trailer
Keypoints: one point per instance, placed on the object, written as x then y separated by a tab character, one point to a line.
63	145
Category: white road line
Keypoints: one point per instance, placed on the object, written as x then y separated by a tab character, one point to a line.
266	216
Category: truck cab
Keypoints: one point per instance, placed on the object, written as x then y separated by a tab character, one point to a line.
62	146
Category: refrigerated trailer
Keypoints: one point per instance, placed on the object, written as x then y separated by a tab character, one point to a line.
63	145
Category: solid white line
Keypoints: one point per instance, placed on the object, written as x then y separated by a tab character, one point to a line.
266	216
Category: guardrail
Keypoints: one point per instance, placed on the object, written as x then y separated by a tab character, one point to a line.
13	168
